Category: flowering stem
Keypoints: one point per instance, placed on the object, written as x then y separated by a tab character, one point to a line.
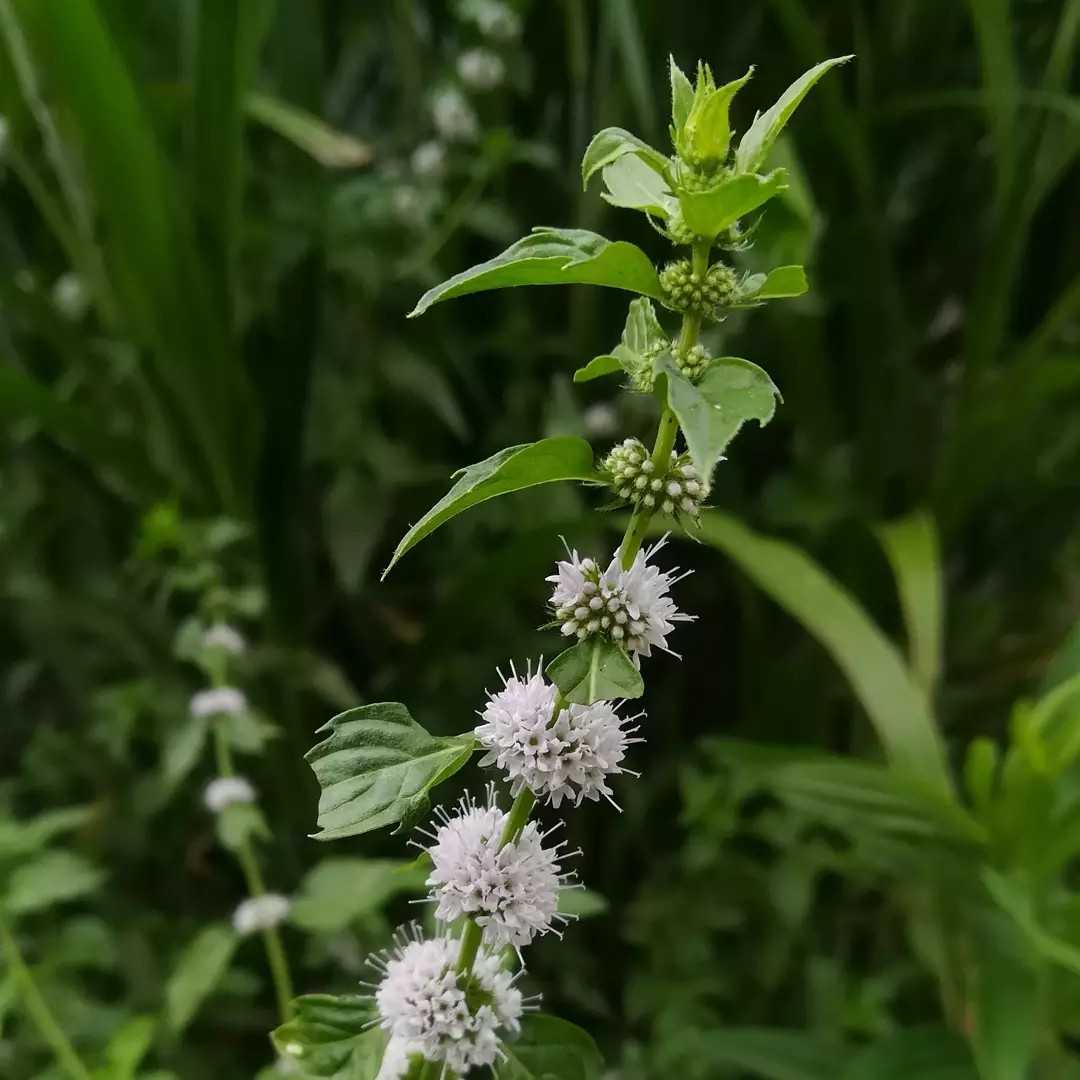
39	1010
276	958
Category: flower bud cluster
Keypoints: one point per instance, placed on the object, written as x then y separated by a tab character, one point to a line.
694	362
635	479
685	291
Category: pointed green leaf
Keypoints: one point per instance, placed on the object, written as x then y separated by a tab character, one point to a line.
200	968
756	143
377	767
512	469
597	368
330	148
769	1053
780	283
706	135
127	1047
642	332
613	144
553	257
19	838
338	891
632	185
712	411
924	1052
595	670
708	213
53	877
682	97
550	1049
332	1036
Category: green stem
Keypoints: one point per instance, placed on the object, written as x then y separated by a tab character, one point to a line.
39	1010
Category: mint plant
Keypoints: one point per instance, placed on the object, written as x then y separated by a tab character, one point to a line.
444	1004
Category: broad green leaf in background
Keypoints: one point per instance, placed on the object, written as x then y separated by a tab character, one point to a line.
712	411
199	969
329	147
595	670
554	257
332	1036
337	891
241	823
914	553
770	1053
512	469
19	838
632	185
377	767
582	903
708	213
756	142
925	1053
550	1049
52	877
126	1049
896	704
611	144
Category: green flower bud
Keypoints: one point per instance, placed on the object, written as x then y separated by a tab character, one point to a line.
705	137
684	291
633	479
692	363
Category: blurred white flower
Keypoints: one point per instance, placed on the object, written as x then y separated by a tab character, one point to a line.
224	637
569	756
429	159
225	791
494	18
480	69
219	701
511	890
453	116
425	1009
601	419
260	913
632	607
70	296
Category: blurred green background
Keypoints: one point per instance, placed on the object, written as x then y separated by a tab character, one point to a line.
213	219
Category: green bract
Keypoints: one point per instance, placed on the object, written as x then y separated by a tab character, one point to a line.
704	136
332	1036
595	670
377	767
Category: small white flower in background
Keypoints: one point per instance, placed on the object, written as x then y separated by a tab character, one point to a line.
566	757
429	159
480	69
424	1008
224	637
510	890
220	701
453	116
260	913
632	607
494	18
405	200
601	419
70	296
225	791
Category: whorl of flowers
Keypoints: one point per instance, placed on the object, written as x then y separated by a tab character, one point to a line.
225	791
511	890
427	1007
260	913
701	295
219	701
635	479
480	69
224	637
631	607
569	756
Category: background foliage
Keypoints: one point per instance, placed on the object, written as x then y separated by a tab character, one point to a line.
227	413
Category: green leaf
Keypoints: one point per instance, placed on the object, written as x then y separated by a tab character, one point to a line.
632	185
582	903
1017	903
595	670
332	1036
338	891
239	824
712	411
51	877
126	1049
377	767
896	704
927	1053
682	96
18	838
597	368
758	139
611	145
708	213
329	147
642	333
512	469
554	257
911	545
202	964
779	284
550	1049
771	1053
706	135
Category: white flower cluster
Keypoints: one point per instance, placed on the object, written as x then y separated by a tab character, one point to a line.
569	756
511	890
480	69
225	791
224	637
493	18
632	607
634	478
220	701
424	1005
260	913
453	116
